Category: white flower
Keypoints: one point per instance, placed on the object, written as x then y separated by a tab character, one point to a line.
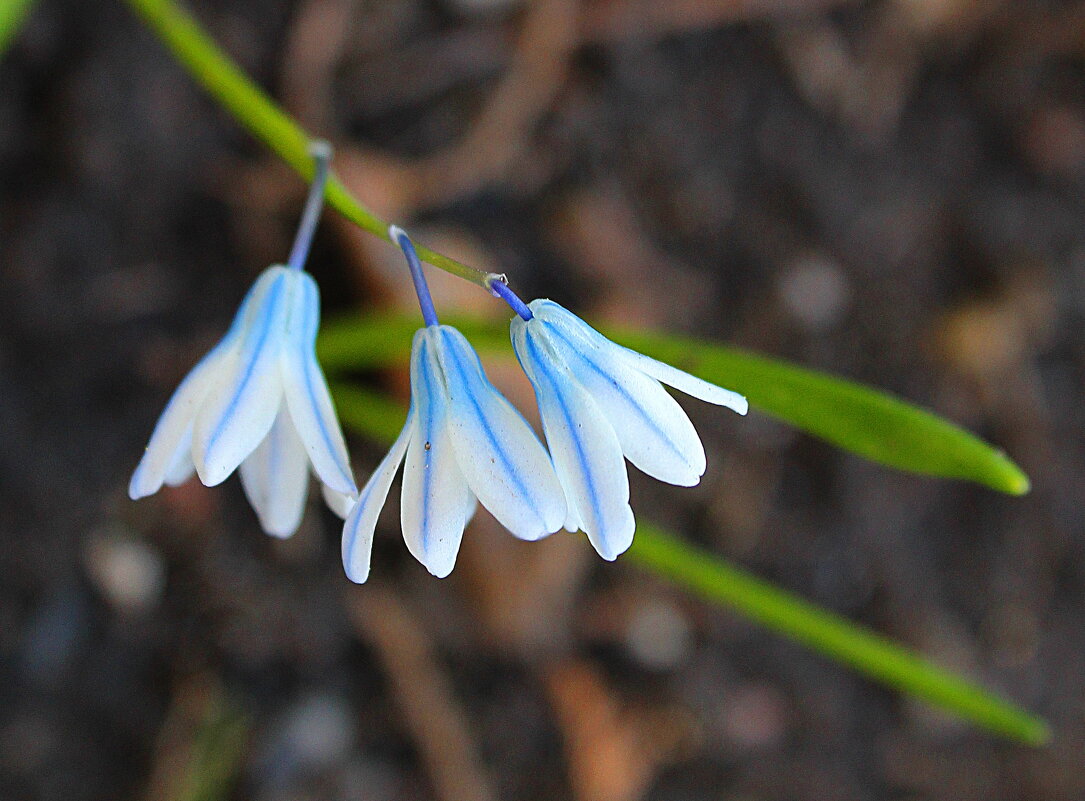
463	441
258	400
599	402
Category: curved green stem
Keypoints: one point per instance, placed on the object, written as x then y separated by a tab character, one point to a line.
251	106
13	14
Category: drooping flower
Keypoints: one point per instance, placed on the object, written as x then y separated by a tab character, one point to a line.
259	400
602	403
463	443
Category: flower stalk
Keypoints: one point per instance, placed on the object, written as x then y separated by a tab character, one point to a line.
251	106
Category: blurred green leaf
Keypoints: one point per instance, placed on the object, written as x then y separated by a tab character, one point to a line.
704	574
217	753
13	14
710	577
368	413
866	421
213	69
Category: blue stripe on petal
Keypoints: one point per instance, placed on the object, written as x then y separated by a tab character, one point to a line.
433	514
655	433
585	449
307	394
501	458
241	406
679	379
275	478
173	432
362	521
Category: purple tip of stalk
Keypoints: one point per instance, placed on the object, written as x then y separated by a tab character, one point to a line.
421	289
321	152
499	289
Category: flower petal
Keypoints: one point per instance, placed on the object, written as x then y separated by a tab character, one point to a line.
362	520
499	455
172	437
565	320
586	452
681	380
339	503
307	392
244	399
275	477
655	433
433	511
182	468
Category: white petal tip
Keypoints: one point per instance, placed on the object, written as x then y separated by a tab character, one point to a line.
741	405
685	481
280	534
139	487
532	536
611	555
613	543
211	474
357	576
440	571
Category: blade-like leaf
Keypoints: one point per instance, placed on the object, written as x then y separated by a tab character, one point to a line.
708	576
13	14
368	413
250	106
865	421
704	574
868	422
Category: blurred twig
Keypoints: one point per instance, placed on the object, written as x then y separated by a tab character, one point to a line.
426	699
502	131
607	753
623	19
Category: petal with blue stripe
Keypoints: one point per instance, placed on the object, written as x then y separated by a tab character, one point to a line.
171	442
654	431
433	510
275	478
361	522
683	381
585	449
307	393
244	399
500	457
568	322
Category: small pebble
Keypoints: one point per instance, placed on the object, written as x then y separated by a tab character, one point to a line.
129	574
815	291
658	635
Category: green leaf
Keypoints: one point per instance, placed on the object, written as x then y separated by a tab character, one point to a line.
856	418
251	107
874	656
368	413
13	14
859	419
713	579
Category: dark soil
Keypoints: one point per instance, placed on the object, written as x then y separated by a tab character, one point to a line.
890	191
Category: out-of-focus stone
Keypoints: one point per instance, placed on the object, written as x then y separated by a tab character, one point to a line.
129	574
815	292
658	634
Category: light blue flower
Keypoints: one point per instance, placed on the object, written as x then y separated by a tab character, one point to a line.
601	402
463	443
258	400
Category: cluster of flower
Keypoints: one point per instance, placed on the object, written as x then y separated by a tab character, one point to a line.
259	401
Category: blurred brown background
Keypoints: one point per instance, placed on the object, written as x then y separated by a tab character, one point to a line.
891	191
